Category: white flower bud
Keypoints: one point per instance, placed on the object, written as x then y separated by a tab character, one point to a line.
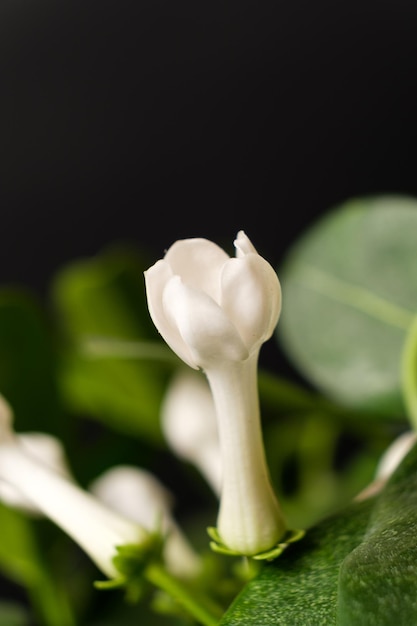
212	308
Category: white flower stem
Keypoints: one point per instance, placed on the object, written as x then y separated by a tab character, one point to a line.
250	520
94	527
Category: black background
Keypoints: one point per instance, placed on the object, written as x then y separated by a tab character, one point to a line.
148	121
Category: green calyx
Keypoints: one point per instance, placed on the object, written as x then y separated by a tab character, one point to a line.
131	561
290	536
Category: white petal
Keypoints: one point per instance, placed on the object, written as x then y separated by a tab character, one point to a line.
251	297
208	333
198	262
156	279
243	245
95	528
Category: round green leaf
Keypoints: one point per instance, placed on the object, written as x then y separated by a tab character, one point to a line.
349	298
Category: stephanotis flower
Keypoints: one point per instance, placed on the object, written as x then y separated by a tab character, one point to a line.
138	495
98	530
215	312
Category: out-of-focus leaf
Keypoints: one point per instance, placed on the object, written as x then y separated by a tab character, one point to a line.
349	298
17	547
113	367
378	580
20	560
27	361
409	373
12	614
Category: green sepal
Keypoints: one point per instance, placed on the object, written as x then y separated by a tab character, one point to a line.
131	561
269	555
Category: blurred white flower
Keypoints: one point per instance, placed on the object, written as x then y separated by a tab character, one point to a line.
215	312
48	450
138	495
97	529
188	419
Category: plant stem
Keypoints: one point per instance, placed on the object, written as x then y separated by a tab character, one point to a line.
204	610
409	374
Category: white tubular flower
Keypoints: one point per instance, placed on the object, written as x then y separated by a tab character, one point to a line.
215	312
188	419
97	529
47	449
138	495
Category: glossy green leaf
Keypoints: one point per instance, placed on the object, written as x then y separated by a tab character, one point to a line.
378	580
349	298
356	567
114	367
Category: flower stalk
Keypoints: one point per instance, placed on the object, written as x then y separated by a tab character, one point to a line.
250	520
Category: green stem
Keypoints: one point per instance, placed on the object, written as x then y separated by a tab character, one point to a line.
409	374
202	609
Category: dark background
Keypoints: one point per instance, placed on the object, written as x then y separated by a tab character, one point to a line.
147	121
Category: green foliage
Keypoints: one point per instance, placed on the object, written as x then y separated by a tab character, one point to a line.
112	367
13	615
349	299
348	325
27	362
356	567
378	580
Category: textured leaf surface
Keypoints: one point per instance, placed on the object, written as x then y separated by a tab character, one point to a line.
300	587
355	568
349	298
378	582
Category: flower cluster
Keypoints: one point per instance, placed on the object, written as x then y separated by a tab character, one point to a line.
215	312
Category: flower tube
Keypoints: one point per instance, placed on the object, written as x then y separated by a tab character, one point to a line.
97	529
215	312
47	449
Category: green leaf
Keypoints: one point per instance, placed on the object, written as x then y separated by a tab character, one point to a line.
378	580
356	567
113	368
349	298
27	362
409	373
300	587
12	614
21	561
